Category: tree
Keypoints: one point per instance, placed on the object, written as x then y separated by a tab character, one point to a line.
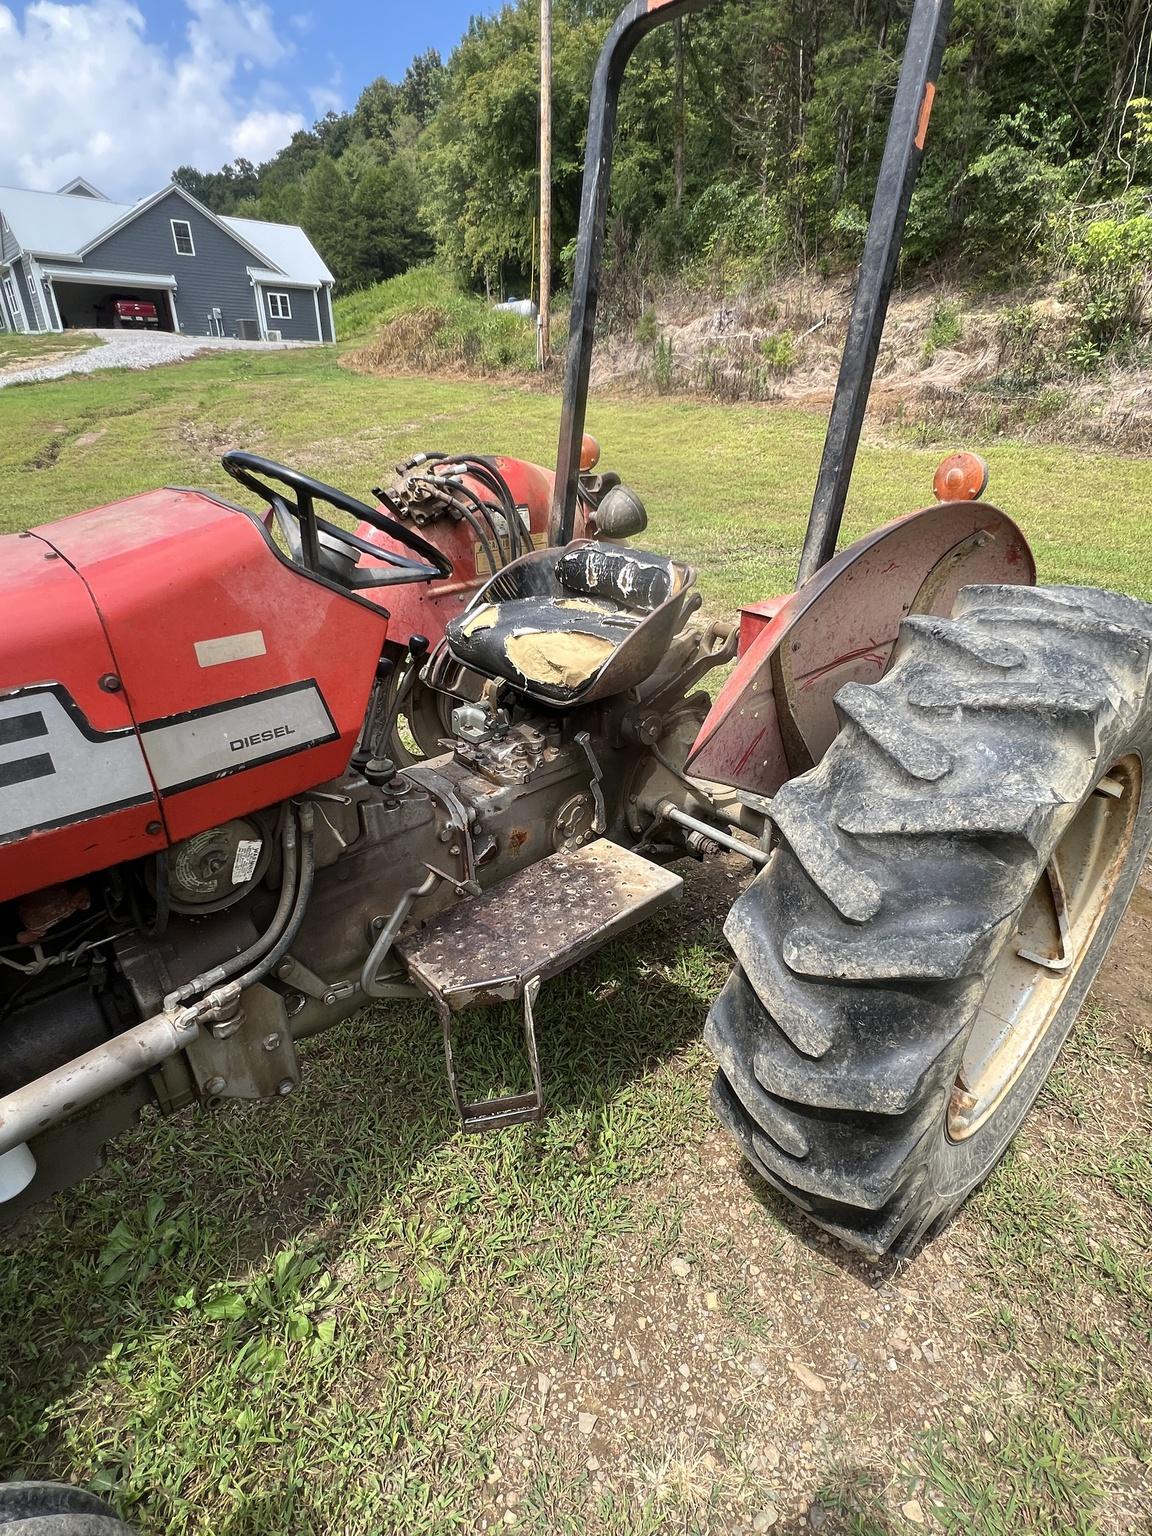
326	216
376	110
422	87
388	234
480	147
220	190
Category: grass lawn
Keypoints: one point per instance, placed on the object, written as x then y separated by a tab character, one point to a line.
335	1315
22	351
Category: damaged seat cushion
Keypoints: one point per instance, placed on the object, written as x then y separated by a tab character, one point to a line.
551	623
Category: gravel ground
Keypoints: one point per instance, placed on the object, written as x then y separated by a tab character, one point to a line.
140	349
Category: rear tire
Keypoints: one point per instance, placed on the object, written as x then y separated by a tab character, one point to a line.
881	1037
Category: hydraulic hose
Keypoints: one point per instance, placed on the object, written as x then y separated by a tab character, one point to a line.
219	974
270	960
486	512
484	470
479	532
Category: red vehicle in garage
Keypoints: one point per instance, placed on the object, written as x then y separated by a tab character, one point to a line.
131	314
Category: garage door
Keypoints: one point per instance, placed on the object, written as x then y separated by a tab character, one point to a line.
90	304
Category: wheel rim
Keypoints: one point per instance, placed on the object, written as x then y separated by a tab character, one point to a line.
1044	956
422	721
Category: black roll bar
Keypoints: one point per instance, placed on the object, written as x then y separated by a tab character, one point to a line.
634	22
903	151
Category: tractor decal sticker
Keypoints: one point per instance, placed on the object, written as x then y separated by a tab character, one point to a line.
184	751
213	653
56	769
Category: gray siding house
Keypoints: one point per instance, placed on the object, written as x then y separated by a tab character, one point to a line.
67	256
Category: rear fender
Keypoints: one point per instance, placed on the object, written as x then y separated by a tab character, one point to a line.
775	716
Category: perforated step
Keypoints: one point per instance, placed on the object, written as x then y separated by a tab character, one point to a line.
535	924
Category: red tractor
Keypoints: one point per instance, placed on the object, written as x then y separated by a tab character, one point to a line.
261	768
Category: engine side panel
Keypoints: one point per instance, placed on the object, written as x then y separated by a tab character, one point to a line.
75	792
247	679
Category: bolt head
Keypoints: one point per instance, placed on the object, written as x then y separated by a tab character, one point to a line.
285	1087
215	1085
284	969
271	1042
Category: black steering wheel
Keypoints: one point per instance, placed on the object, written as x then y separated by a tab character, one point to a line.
325	548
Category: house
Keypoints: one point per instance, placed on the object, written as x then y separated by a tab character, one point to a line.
67	256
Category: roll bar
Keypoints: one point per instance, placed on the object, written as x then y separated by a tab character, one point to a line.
903	151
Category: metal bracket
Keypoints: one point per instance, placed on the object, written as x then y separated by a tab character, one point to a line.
512	1109
443	790
306	981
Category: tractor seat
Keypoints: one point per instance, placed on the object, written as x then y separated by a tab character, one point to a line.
566	626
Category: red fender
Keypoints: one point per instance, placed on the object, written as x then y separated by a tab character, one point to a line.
775	716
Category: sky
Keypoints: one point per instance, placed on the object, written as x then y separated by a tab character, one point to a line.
123	91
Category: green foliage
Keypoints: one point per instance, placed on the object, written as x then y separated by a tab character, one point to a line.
1013	189
663	364
778	351
646	327
733	234
421	321
749	139
1024	357
480	147
944	329
1113	266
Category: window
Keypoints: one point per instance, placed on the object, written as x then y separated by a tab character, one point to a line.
14	310
279	306
182	237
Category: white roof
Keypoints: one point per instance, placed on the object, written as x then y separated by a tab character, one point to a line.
57	223
61	224
285	245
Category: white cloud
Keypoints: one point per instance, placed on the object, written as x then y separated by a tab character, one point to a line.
325	98
86	93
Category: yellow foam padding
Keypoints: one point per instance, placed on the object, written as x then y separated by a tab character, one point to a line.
483	618
562	658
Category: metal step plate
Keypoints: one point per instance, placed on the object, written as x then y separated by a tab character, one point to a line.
537	923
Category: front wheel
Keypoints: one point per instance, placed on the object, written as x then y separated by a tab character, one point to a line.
946	885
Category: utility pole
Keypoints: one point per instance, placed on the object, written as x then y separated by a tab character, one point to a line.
544	322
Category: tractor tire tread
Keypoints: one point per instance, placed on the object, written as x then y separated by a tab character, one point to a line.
905	856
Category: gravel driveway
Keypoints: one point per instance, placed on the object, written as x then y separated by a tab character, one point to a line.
138	349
